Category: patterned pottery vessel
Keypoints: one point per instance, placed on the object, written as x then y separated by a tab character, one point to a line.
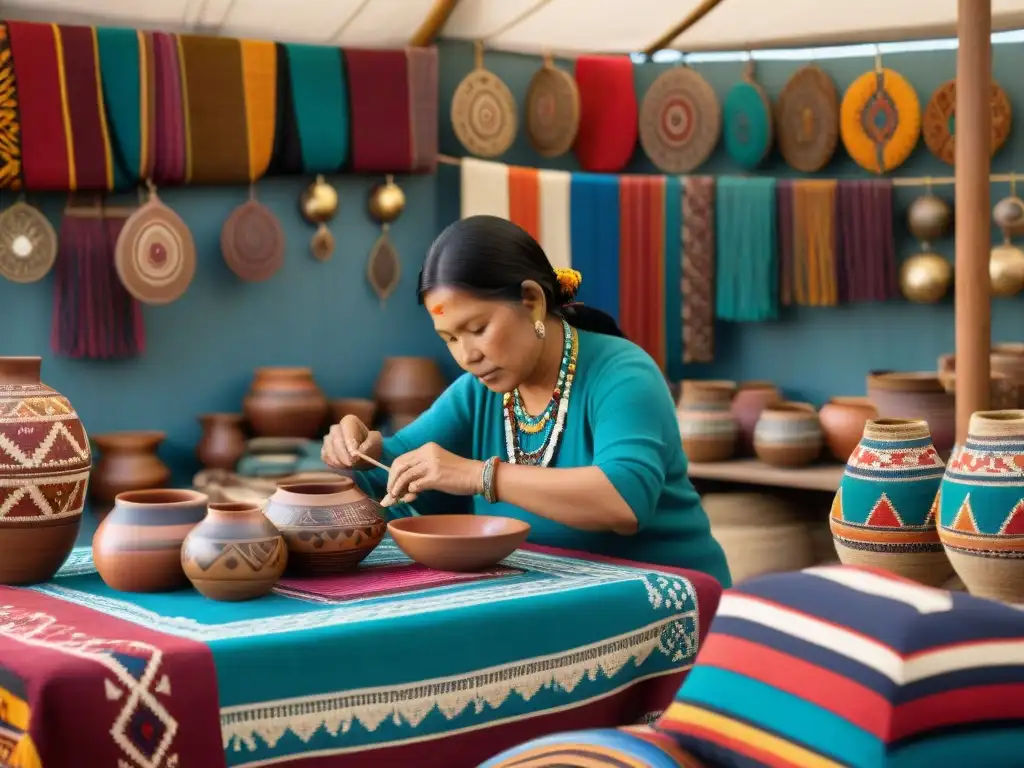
128	462
706	425
137	547
44	472
981	506
751	398
883	514
788	435
916	395
234	554
842	422
285	402
329	527
223	441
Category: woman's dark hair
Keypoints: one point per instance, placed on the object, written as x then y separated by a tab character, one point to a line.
491	257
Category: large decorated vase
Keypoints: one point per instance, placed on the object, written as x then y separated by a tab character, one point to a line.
883	514
981	508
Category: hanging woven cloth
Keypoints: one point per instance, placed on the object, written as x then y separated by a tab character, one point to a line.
555	228
483	188
594	232
784	225
423	100
259	80
698	269
10	118
814	278
381	127
673	278
609	115
524	199
747	270
170	155
866	251
642	263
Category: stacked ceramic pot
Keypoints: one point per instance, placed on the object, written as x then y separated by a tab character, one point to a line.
883	514
788	435
981	506
751	398
916	395
842	423
706	425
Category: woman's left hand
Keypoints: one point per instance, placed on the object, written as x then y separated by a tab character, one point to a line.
432	468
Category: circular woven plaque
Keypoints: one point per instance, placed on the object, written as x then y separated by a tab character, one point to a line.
747	113
939	121
680	120
807	120
28	244
155	254
880	120
484	114
252	242
552	111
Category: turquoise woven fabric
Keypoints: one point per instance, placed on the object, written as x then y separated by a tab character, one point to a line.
746	251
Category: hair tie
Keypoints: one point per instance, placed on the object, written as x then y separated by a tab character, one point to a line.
569	283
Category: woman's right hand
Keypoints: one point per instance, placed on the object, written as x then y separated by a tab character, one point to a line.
346	438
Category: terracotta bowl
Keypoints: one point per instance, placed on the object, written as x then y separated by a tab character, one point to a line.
458	542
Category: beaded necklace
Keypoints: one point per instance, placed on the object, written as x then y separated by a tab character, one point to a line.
551	421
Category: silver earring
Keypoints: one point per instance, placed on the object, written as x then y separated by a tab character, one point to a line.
539	329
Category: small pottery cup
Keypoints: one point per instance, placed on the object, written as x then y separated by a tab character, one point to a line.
788	435
706	425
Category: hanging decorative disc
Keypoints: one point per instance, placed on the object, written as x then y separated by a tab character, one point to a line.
680	120
807	120
252	242
939	121
880	120
155	254
552	111
484	113
384	268
747	113
28	244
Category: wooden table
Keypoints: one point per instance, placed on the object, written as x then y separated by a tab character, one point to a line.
818	477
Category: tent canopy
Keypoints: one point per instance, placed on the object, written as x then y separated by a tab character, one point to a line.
533	26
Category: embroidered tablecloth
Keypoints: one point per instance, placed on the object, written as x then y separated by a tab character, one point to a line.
393	665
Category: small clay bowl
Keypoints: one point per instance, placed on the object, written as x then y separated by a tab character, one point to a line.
458	542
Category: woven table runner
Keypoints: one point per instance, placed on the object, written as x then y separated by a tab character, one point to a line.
381	128
699	269
423	101
642	263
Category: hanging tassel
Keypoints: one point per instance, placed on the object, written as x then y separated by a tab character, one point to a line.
746	283
815	283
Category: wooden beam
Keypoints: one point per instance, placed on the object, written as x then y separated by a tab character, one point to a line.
434	23
698	13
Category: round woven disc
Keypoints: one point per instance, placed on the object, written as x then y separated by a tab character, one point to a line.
680	120
155	254
880	120
748	124
807	120
484	114
252	242
939	121
28	244
552	111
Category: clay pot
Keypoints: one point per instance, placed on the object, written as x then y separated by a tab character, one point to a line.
751	398
223	441
842	422
407	386
917	395
137	547
234	554
329	527
362	408
788	435
706	425
1006	385
285	402
128	462
1008	359
44	472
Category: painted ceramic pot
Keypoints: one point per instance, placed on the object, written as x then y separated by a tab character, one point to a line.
137	547
916	395
285	402
407	386
44	472
981	506
128	462
751	398
788	435
234	554
706	425
883	514
842	423
223	441
329	527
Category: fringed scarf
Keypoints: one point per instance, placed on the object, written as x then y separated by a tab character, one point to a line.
815	281
784	223
381	127
747	270
642	262
699	269
867	251
594	222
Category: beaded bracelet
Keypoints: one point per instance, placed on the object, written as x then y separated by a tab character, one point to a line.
488	479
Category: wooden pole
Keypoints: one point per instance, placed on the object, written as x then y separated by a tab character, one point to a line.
432	25
973	214
703	9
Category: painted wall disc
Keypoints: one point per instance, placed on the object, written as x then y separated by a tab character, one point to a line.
484	114
552	111
748	129
28	244
880	120
155	255
939	121
680	120
807	120
252	242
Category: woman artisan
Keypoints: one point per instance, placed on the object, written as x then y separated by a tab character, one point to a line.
559	421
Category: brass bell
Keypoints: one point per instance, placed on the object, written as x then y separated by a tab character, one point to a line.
319	203
1006	270
928	218
1008	215
386	202
925	277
